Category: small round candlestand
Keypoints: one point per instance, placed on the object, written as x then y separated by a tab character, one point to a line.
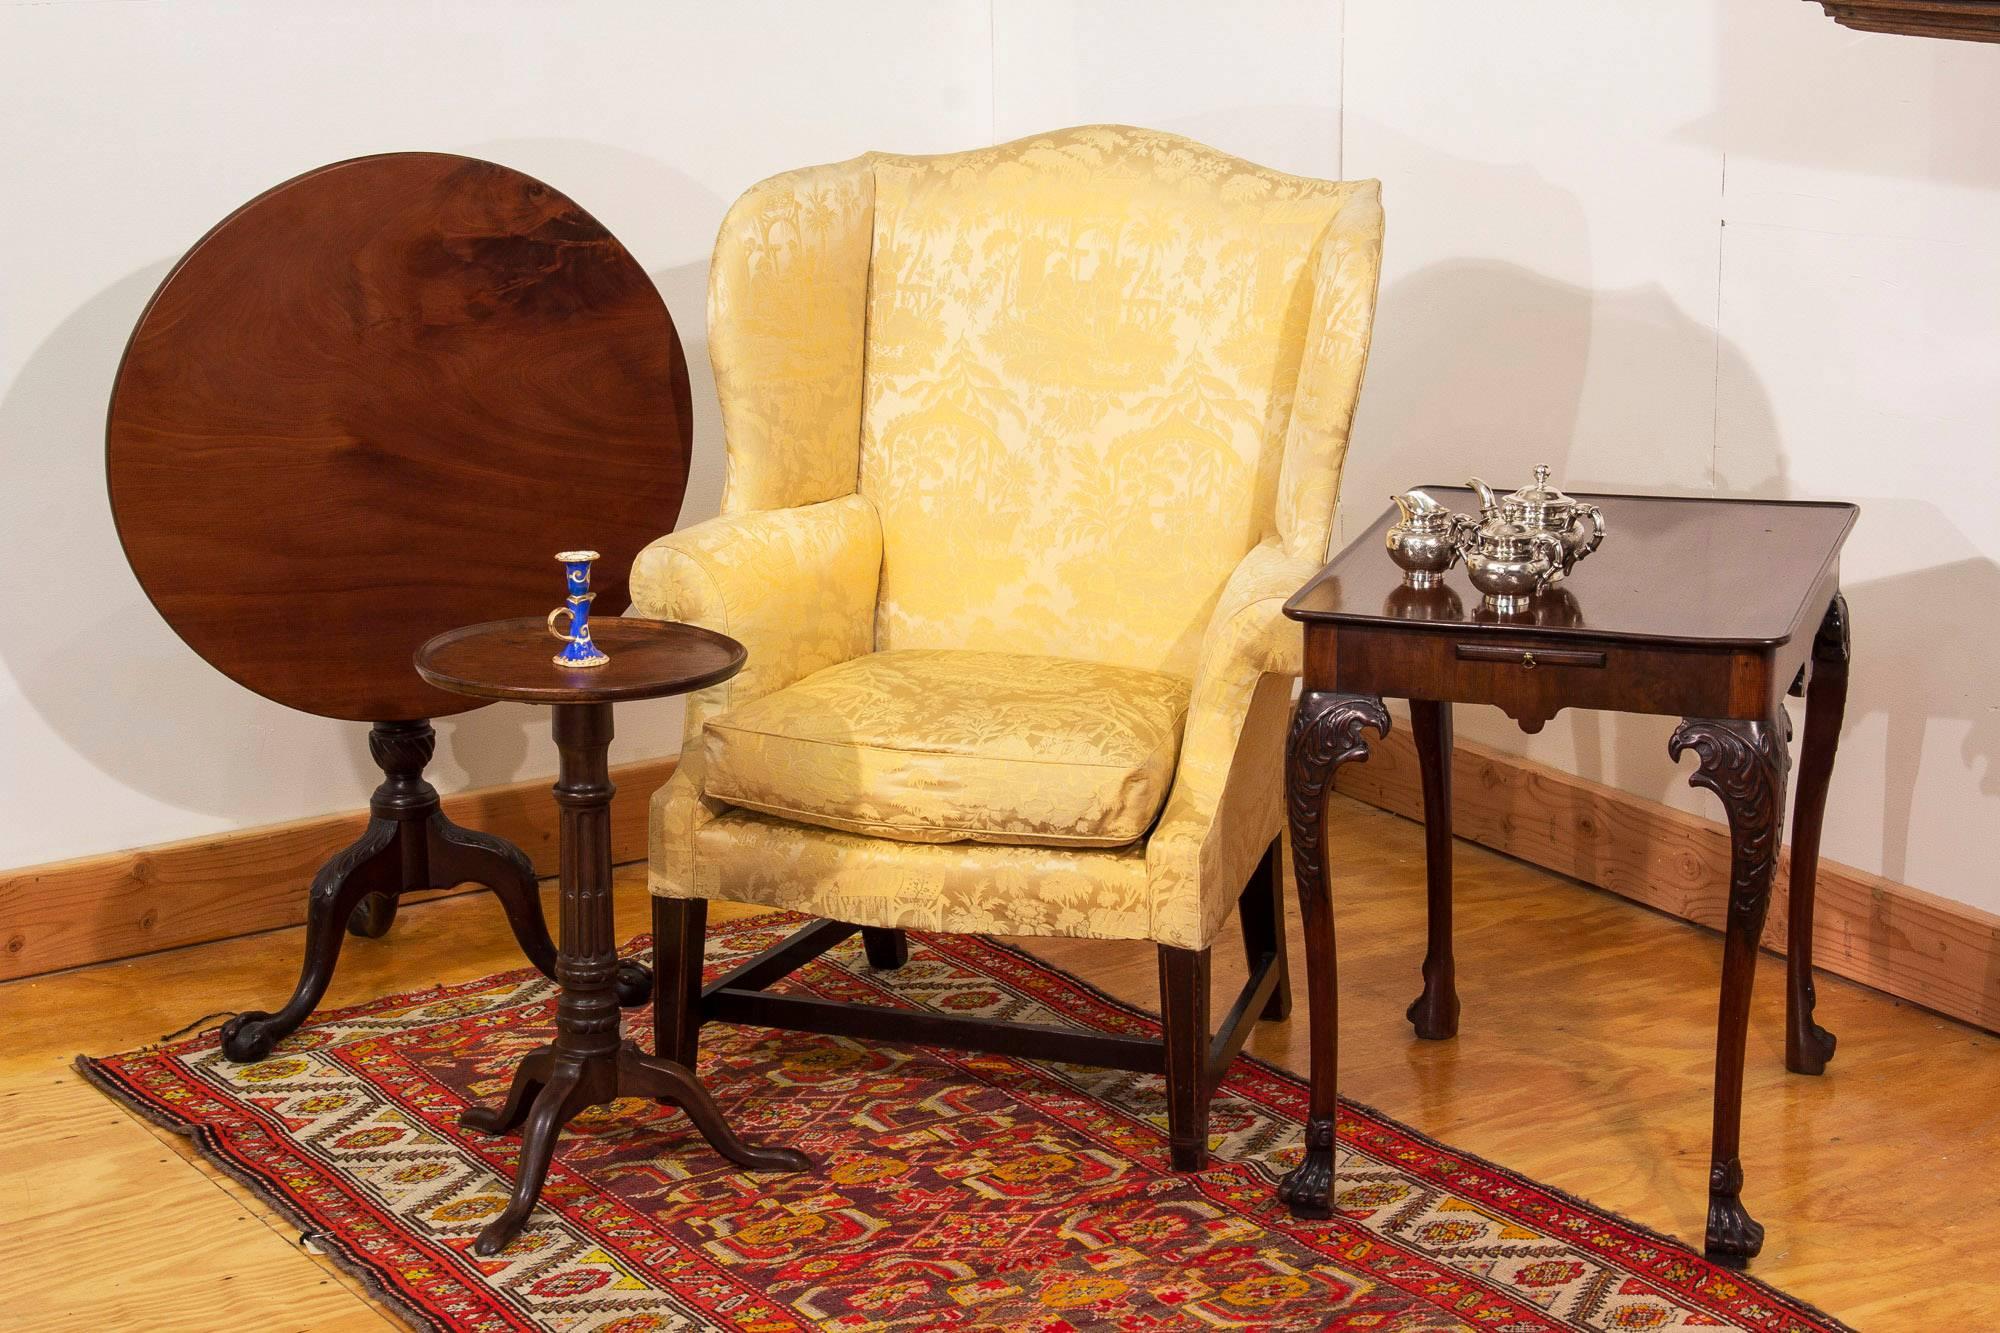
589	1063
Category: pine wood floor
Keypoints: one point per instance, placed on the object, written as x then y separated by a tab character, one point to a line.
1583	1061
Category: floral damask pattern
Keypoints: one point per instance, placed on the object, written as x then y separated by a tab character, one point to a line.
1083	350
969	887
797	586
787	293
1095	387
925	745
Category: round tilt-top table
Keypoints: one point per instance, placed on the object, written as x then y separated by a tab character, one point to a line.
589	1063
367	407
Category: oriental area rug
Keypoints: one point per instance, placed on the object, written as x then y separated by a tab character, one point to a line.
954	1191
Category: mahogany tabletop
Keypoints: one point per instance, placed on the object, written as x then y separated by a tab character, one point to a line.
1717	571
370	405
515	660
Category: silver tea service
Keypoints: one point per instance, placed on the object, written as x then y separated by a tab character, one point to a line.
1521	543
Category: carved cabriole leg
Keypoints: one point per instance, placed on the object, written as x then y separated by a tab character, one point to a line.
1260	911
1184	1032
680	932
1808	1046
1326	732
1435	1012
1744	764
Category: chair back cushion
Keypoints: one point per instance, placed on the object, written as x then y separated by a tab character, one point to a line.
1081	355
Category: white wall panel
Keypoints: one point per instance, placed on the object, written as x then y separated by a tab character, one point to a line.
1258	80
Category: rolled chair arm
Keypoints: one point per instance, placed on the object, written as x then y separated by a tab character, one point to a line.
795	586
1223	809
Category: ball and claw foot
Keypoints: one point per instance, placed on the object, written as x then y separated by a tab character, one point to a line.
1435	1017
248	1037
635	984
1819	1047
1811	1048
1307	1188
1734	1237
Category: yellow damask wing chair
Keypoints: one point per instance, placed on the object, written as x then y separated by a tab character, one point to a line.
1026	447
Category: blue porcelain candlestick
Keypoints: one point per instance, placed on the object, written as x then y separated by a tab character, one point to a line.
578	650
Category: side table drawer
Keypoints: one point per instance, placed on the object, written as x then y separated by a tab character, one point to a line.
1529	657
1532	677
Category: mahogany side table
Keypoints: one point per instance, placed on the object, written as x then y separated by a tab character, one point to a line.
1706	610
589	1063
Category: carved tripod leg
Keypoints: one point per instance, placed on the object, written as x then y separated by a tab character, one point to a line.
1808	1046
1743	763
1435	1012
639	1075
529	1080
465	856
561	1098
1326	733
373	864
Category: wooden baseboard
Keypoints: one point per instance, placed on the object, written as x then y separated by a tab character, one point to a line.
1916	946
96	908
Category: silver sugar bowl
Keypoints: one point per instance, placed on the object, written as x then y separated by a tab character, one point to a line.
1425	541
1541	508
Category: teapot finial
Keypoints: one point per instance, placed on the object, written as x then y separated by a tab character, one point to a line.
1542	476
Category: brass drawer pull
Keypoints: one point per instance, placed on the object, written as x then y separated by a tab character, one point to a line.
1529	658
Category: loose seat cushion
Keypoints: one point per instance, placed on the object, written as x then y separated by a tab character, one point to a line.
942	745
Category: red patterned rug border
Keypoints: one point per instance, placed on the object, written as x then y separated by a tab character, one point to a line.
373	1278
1277	1089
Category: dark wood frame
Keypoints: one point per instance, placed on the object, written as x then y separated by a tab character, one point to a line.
1187	1054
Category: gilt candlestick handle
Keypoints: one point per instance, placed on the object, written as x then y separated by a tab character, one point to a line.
578	650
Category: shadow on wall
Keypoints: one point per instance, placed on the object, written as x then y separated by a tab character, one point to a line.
108	676
1925	638
1488	367
117	685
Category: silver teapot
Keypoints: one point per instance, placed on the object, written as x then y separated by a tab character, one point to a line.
1426	539
1510	562
1541	508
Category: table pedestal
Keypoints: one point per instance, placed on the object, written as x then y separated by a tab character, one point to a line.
408	846
589	1063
